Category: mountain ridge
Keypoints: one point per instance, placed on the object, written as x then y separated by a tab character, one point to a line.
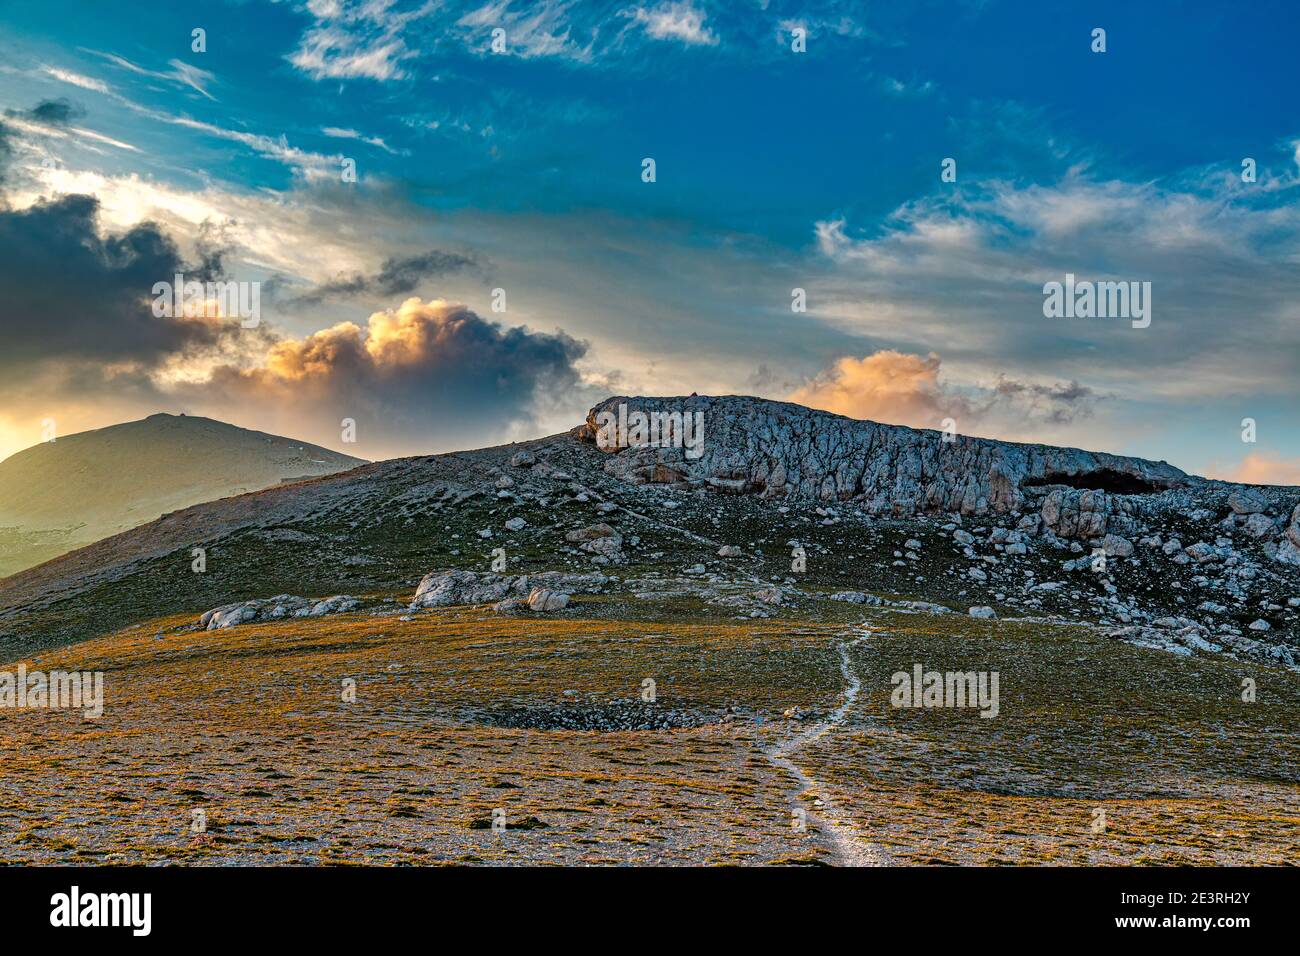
1179	562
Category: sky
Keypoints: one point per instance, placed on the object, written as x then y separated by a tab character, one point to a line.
445	211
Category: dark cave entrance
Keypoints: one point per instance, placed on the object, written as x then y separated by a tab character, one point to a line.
1103	479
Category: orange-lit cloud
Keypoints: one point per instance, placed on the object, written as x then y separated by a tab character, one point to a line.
1260	468
900	388
423	376
886	386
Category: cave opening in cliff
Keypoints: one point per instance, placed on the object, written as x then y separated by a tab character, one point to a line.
1103	479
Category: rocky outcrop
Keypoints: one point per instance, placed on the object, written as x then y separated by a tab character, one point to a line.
1288	549
779	450
1071	513
446	588
274	609
600	540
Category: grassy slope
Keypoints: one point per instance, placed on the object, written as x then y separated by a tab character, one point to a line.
248	724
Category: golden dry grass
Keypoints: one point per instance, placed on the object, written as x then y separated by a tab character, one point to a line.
249	725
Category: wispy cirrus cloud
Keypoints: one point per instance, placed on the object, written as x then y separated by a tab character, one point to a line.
357	40
337	132
76	79
378	40
180	73
542	29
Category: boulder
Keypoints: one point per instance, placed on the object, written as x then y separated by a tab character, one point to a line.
600	540
856	597
447	588
1247	501
1116	546
1258	525
274	609
542	599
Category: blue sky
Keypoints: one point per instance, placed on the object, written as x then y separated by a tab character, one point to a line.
521	170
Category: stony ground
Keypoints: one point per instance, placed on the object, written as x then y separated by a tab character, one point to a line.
462	712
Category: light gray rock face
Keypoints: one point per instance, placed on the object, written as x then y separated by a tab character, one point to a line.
274	609
1072	513
544	599
776	449
445	588
1246	501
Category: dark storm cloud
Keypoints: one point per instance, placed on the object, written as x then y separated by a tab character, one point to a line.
58	112
397	276
71	293
1058	404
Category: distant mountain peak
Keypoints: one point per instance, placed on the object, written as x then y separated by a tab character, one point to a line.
59	495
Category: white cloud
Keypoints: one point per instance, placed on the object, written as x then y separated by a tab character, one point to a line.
676	21
77	79
962	272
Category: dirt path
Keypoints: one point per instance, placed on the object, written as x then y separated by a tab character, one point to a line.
848	845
